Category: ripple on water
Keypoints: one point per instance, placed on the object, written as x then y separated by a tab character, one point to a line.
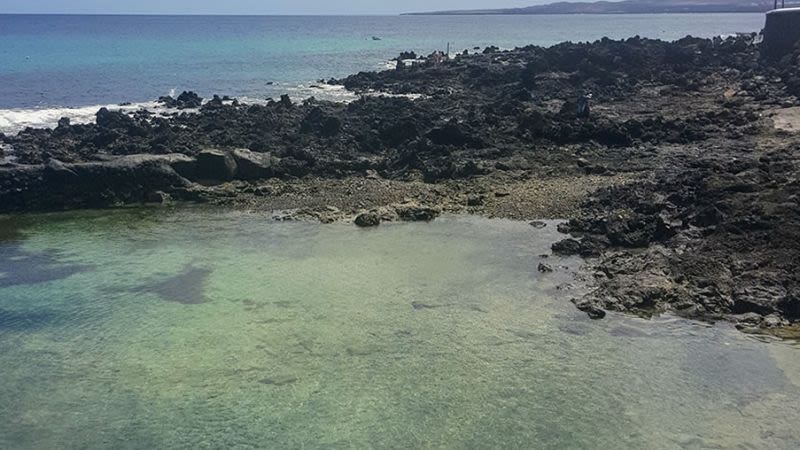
27	320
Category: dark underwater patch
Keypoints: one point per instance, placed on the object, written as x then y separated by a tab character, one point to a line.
10	230
19	267
26	320
186	287
278	381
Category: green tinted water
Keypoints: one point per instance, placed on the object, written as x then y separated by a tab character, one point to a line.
198	328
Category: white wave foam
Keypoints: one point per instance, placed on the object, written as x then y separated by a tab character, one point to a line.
338	93
15	120
392	64
330	92
386	94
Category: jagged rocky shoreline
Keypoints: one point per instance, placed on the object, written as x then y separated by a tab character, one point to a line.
681	184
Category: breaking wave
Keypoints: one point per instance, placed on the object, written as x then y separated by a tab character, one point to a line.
15	120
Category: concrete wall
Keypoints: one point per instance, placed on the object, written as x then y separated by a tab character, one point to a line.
781	32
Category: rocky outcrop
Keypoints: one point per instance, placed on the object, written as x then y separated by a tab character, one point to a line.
216	165
477	112
186	100
719	240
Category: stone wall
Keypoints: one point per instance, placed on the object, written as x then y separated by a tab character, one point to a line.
781	32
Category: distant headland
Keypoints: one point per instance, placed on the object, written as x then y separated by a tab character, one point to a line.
625	7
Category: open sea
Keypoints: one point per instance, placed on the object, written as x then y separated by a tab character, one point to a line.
70	65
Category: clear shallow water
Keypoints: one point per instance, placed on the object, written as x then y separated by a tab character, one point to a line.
57	62
210	329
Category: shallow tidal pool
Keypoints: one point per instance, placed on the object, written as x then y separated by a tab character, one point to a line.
203	328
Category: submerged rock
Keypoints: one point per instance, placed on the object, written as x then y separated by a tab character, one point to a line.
186	287
544	268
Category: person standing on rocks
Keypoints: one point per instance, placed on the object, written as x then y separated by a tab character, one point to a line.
583	106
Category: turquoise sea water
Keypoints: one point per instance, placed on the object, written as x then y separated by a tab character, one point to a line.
203	328
75	61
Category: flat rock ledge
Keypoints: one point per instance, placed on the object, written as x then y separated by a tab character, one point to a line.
115	181
112	180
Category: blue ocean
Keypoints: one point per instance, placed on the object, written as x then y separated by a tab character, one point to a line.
52	65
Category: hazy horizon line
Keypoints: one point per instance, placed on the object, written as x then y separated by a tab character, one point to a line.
403	14
194	14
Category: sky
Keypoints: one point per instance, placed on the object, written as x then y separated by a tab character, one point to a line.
250	6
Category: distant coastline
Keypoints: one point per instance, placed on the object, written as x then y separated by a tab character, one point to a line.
623	7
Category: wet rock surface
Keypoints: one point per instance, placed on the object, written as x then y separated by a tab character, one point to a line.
681	186
367	220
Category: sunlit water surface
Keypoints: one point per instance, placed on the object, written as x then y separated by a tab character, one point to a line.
195	328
